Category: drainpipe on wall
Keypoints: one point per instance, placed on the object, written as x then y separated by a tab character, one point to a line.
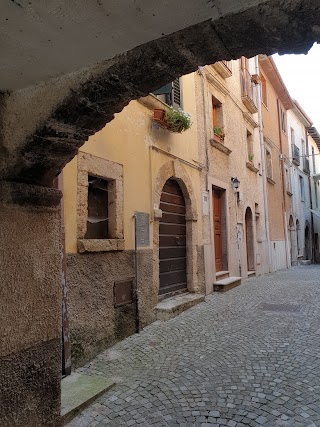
201	72
288	262
136	290
66	344
263	168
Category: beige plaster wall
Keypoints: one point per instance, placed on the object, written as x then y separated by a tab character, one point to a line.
222	167
140	153
131	140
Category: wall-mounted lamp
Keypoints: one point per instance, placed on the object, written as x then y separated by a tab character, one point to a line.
235	183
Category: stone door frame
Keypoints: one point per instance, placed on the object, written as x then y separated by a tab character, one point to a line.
175	170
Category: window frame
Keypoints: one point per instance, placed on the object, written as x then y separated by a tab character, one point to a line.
302	189
268	160
264	92
112	172
283	120
172	93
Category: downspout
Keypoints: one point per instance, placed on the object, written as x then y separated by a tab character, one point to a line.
263	169
136	290
201	72
281	161
66	344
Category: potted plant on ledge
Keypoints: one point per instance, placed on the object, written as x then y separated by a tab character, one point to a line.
218	134
174	120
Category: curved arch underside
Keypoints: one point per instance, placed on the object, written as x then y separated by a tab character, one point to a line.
80	104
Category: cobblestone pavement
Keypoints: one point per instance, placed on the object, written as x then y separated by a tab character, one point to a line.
250	357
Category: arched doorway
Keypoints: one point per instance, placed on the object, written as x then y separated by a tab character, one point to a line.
307	242
292	238
298	240
249	240
172	240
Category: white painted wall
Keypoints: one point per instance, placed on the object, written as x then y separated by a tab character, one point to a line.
301	206
315	191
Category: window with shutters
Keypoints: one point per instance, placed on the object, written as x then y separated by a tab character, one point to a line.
170	94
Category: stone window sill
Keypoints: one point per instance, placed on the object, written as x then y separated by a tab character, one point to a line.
271	181
251	166
219	146
100	245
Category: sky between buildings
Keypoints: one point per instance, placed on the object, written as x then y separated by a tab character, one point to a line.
301	75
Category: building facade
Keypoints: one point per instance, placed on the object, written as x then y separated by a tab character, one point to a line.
275	103
300	227
153	214
132	173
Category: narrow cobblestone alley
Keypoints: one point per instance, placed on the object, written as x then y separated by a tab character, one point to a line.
250	357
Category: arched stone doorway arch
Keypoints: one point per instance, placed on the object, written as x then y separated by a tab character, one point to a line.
292	239
298	237
307	252
172	240
249	240
175	172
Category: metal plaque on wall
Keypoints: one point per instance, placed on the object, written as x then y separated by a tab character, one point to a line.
142	229
122	292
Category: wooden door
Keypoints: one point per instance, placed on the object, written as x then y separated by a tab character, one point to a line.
216	200
172	240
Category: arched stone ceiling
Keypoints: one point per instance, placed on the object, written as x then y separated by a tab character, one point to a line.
43	126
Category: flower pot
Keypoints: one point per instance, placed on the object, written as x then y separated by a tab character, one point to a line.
159	114
218	138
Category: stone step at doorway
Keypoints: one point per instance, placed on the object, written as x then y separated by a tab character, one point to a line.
172	307
222	275
225	285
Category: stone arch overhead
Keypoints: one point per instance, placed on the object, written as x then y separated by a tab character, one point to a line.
265	26
175	169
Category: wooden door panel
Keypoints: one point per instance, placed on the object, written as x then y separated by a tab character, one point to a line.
216	200
172	240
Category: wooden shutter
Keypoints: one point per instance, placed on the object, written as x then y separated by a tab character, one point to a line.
176	93
164	90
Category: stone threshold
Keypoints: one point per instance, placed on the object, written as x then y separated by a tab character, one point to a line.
251	273
225	285
222	274
78	391
172	307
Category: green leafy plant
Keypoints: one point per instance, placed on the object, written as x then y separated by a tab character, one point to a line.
250	157
219	132
177	120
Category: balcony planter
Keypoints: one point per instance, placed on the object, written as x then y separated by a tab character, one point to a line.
173	120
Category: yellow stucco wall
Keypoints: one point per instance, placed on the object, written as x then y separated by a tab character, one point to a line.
128	140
